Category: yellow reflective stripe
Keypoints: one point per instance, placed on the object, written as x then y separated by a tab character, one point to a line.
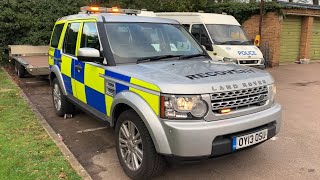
73	84
144	84
62	36
92	19
81	91
92	77
66	65
109	100
151	99
79	39
51	55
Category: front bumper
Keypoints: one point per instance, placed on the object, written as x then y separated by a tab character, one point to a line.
204	139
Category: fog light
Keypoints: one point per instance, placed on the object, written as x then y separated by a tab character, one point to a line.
224	111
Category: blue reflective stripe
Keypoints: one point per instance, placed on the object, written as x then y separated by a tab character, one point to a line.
72	68
121	87
67	82
117	76
79	76
57	53
96	99
57	63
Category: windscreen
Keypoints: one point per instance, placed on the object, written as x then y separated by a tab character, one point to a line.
131	41
227	34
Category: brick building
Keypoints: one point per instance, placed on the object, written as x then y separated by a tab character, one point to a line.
292	36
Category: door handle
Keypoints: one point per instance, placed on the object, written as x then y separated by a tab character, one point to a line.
78	67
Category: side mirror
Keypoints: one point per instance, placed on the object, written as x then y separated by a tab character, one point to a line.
89	55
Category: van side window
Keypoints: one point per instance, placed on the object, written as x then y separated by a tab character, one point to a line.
200	33
56	35
70	40
187	26
89	37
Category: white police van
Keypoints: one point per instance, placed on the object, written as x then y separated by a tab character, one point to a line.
222	36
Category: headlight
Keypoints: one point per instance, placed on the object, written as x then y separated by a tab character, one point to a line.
230	60
183	107
273	93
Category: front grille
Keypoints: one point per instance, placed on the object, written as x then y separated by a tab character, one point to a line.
239	99
249	61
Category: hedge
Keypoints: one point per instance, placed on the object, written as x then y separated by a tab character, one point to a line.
31	21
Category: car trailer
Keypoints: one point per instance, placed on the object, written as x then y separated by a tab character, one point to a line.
29	59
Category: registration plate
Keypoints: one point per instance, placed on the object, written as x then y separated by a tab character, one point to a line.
249	139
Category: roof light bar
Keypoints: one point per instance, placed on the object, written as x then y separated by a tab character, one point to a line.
95	9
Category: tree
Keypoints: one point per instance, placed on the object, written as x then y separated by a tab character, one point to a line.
31	21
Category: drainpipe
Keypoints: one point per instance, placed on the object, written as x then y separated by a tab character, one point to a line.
261	16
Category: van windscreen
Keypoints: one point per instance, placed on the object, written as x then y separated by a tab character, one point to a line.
228	34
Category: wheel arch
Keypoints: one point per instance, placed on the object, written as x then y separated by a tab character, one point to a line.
56	73
130	100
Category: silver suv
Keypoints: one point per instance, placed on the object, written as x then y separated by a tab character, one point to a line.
157	86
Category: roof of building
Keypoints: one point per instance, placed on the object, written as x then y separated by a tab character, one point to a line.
299	5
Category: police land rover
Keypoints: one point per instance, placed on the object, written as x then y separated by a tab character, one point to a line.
158	88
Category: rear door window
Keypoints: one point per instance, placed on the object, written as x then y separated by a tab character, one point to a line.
56	35
70	40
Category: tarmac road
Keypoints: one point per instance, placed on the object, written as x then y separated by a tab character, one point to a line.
293	154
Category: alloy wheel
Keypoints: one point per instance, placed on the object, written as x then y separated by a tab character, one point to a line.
130	145
57	97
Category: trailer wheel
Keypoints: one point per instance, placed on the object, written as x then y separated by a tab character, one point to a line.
61	104
135	149
20	70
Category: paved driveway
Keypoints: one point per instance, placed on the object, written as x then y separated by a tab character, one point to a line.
293	154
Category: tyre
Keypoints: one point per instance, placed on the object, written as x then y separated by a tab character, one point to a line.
61	104
20	70
135	149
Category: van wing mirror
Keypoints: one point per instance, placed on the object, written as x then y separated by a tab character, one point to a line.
208	47
89	55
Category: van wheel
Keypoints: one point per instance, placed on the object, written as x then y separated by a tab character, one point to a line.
20	70
135	149
61	104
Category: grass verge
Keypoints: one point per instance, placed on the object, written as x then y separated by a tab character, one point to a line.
26	150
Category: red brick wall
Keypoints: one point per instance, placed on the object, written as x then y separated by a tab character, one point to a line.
306	33
272	27
271	30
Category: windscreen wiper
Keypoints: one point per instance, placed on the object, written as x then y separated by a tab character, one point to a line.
229	42
193	56
156	58
248	42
